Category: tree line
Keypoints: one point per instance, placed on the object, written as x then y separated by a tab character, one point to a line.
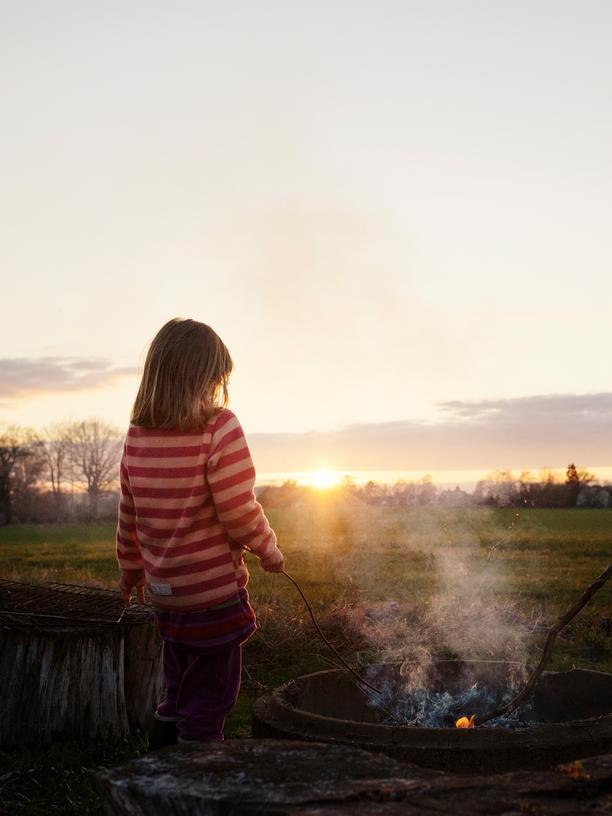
67	471
579	488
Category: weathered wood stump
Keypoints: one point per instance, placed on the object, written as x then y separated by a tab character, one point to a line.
74	664
247	777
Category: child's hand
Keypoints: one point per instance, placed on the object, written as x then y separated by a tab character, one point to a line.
274	563
129	581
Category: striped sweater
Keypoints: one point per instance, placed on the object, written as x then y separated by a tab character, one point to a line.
186	511
220	626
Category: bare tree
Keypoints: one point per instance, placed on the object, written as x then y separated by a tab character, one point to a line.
21	464
55	441
94	453
500	488
426	490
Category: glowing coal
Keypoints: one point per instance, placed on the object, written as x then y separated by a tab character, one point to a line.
431	708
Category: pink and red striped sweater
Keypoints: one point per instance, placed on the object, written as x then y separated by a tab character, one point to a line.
186	511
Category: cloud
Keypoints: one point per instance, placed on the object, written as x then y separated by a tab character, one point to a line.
528	432
554	407
26	376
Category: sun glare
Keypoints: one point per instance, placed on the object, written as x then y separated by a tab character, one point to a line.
324	479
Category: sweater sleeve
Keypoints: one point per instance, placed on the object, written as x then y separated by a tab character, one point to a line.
127	546
231	479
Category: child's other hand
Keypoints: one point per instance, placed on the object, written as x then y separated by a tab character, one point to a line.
274	563
129	581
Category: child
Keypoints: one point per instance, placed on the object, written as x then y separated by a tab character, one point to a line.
186	512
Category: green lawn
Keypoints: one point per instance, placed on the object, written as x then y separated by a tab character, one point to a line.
534	563
474	582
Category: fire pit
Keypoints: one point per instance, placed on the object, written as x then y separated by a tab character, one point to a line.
569	716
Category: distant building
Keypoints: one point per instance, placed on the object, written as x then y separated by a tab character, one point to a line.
594	496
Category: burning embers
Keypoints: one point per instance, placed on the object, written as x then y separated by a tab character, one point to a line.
440	702
465	722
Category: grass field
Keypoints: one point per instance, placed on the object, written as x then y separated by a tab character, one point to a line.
385	583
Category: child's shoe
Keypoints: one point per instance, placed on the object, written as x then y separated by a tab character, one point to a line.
162	733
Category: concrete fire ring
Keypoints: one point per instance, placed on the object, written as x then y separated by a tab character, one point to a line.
327	706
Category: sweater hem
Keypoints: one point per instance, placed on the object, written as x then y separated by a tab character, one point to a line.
199	607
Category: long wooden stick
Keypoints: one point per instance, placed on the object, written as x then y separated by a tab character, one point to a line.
322	636
552	634
325	640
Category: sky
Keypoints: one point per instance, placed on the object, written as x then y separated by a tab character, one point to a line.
395	214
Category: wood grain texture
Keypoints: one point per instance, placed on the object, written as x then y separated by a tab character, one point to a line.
87	683
247	777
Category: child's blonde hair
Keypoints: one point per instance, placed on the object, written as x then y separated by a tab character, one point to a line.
184	379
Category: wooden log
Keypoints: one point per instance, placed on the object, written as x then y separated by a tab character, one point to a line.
67	678
143	676
577	789
61	683
247	777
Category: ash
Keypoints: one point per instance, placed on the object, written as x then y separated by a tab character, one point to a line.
439	709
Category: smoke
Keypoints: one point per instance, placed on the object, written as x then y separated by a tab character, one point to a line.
434	588
421	585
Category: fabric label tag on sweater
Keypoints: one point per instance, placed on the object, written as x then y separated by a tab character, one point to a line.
161	589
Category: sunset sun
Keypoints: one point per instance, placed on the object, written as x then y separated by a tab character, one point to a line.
324	479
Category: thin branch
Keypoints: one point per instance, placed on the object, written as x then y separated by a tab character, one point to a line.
548	646
325	640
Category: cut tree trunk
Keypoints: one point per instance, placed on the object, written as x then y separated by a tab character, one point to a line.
247	777
73	666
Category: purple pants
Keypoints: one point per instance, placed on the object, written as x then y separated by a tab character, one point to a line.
201	689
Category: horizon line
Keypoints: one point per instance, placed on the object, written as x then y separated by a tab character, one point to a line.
439	477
